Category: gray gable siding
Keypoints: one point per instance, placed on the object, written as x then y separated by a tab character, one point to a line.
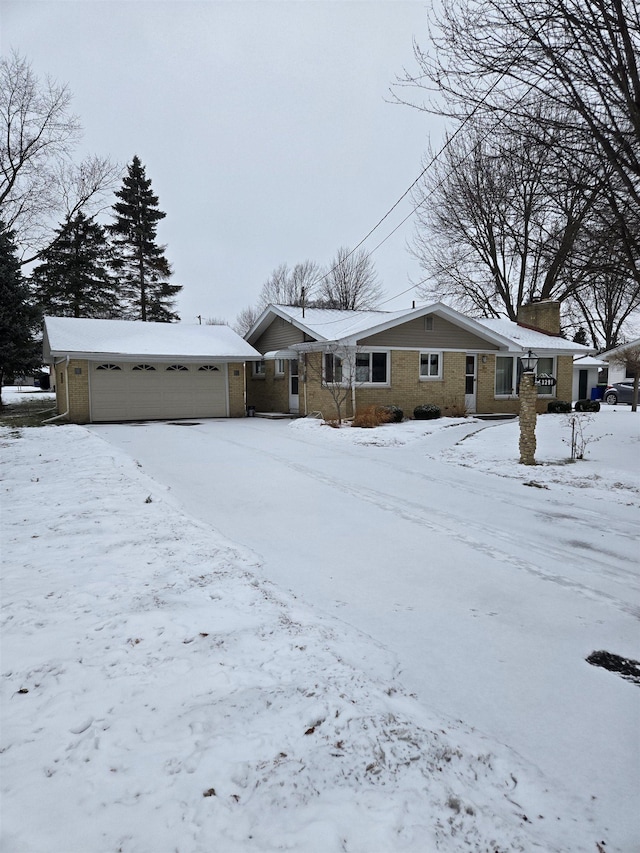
280	335
412	335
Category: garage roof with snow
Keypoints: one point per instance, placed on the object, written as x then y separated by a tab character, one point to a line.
118	339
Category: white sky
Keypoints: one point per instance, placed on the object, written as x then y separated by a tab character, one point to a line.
263	126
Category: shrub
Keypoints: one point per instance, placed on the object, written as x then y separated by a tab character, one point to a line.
455	410
372	416
587	405
426	412
558	407
395	414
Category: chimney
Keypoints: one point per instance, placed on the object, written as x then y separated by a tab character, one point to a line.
543	316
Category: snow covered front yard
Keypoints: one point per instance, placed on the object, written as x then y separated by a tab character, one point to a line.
262	636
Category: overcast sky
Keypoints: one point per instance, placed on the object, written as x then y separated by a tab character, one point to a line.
265	127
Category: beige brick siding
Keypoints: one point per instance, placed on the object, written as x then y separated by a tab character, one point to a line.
407	390
268	393
487	402
235	374
77	390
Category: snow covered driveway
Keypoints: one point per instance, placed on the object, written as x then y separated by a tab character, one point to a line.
489	593
162	691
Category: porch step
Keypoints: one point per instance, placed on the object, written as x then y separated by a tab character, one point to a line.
274	416
498	416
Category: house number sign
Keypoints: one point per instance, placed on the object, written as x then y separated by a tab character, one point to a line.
545	381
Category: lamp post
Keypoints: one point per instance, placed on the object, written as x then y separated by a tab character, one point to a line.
528	413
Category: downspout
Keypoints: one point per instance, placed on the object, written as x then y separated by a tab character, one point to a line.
304	385
66	386
352	378
244	385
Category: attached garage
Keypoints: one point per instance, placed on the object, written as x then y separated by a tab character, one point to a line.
146	391
119	370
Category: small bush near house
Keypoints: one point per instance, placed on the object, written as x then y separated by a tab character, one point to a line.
426	412
395	413
558	407
587	406
372	416
454	410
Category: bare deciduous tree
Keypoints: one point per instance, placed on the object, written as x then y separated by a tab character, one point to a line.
246	319
334	366
501	56
290	286
351	282
40	184
497	222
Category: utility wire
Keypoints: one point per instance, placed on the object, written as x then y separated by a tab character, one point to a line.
434	159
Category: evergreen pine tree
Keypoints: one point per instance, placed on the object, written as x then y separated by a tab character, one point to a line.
145	271
74	279
19	319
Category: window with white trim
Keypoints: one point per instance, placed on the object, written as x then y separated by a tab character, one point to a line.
280	366
108	367
177	367
209	368
372	367
332	368
259	368
546	366
430	365
505	376
143	367
509	373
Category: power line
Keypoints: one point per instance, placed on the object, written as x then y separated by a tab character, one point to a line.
435	158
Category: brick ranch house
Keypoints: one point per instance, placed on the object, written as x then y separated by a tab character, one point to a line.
121	370
432	354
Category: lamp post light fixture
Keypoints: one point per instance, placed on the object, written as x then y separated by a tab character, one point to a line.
529	362
528	413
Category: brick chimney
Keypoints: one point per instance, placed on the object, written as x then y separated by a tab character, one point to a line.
543	316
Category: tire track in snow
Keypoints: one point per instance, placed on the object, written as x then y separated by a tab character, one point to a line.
447	523
590	518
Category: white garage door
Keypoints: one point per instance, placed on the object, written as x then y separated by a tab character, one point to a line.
152	391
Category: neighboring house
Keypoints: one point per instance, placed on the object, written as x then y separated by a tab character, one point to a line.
431	354
617	371
586	371
121	370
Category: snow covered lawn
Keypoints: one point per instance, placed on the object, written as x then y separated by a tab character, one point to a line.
161	693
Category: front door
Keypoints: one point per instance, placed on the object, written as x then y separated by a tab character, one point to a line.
470	384
583	377
294	399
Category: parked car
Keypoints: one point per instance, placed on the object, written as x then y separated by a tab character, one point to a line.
619	392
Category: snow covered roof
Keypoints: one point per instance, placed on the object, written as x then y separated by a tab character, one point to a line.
93	339
328	324
588	361
525	338
613	352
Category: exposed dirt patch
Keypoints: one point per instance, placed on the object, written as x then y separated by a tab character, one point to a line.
627	668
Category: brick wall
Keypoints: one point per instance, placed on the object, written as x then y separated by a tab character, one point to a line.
78	390
235	374
268	393
487	402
